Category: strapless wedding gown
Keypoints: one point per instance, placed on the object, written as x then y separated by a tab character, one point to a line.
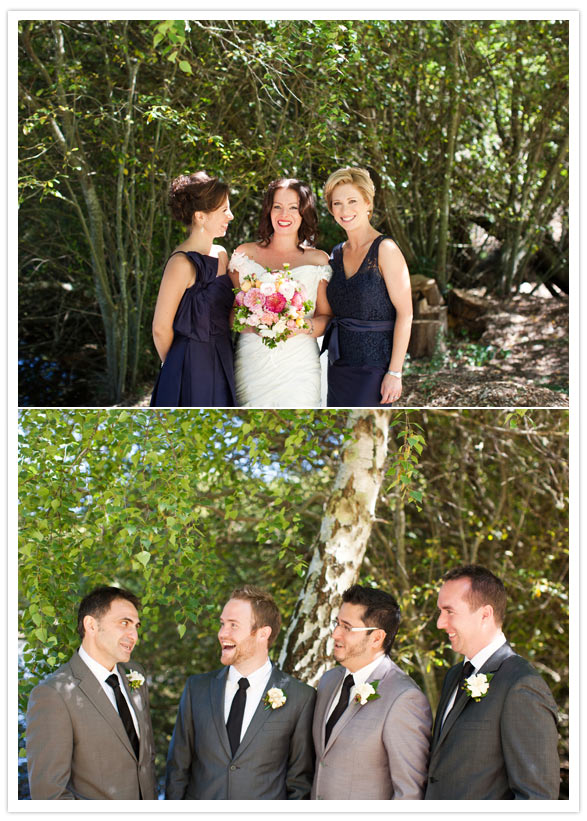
289	375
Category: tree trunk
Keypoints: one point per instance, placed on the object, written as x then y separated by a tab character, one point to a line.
451	139
338	554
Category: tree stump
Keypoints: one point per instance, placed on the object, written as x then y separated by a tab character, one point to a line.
430	317
426	338
468	311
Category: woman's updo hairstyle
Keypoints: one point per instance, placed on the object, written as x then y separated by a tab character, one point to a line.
195	192
308	230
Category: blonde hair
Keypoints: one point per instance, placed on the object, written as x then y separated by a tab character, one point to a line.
350	175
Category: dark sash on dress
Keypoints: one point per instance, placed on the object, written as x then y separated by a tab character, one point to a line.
331	341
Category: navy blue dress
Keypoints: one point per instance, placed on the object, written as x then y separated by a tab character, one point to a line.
359	338
198	371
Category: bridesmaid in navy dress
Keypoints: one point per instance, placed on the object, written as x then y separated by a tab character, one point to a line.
191	327
370	298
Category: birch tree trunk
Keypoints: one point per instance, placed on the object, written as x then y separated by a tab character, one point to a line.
338	554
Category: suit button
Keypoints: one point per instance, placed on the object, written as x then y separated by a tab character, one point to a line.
233	767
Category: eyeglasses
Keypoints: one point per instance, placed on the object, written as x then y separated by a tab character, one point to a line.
335	623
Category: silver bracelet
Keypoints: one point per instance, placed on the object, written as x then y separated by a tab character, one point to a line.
397	374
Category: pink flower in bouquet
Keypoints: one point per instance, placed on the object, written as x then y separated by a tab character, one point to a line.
291	324
240	298
275	303
269	317
297	300
253	319
254	297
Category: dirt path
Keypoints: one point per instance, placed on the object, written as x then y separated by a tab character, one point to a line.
522	359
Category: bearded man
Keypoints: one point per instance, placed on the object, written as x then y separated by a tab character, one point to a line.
244	731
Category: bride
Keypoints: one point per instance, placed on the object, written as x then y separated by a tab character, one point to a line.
287	376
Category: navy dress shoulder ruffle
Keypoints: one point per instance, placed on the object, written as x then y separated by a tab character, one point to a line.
198	370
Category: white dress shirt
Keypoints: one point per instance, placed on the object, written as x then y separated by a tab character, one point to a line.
102	674
359	677
257	683
477	661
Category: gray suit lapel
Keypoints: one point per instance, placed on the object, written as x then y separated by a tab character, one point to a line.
260	716
92	688
217	688
379	673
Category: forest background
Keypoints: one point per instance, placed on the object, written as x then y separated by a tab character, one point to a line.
182	506
462	123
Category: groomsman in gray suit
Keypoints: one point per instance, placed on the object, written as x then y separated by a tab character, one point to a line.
89	733
372	723
245	731
495	735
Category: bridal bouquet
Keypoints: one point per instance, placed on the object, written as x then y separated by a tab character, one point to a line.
273	303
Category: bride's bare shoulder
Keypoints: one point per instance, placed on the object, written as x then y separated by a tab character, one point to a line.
248	249
313	256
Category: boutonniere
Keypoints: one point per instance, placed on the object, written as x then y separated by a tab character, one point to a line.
477	686
367	691
135	679
274	698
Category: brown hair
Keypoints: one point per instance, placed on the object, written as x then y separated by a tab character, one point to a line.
308	230
485	588
97	604
265	612
359	177
195	192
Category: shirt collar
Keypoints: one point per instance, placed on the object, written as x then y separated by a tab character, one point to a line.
97	669
483	655
254	678
361	676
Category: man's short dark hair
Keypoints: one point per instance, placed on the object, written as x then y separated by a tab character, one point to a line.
486	588
265	611
381	610
97	604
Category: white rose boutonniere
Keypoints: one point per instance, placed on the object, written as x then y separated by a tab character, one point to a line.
274	699
135	679
367	691
477	686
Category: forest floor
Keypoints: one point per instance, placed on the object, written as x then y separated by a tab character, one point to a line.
520	360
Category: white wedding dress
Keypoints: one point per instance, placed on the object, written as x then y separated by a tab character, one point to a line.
289	375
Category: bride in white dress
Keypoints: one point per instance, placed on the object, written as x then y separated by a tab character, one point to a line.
289	375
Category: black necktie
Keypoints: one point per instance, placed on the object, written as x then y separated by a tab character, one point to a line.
235	717
343	703
467	670
124	712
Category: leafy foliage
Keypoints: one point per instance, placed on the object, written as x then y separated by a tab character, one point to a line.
183	506
463	125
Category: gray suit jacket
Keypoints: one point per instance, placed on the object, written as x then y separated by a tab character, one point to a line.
503	746
275	759
377	750
76	743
